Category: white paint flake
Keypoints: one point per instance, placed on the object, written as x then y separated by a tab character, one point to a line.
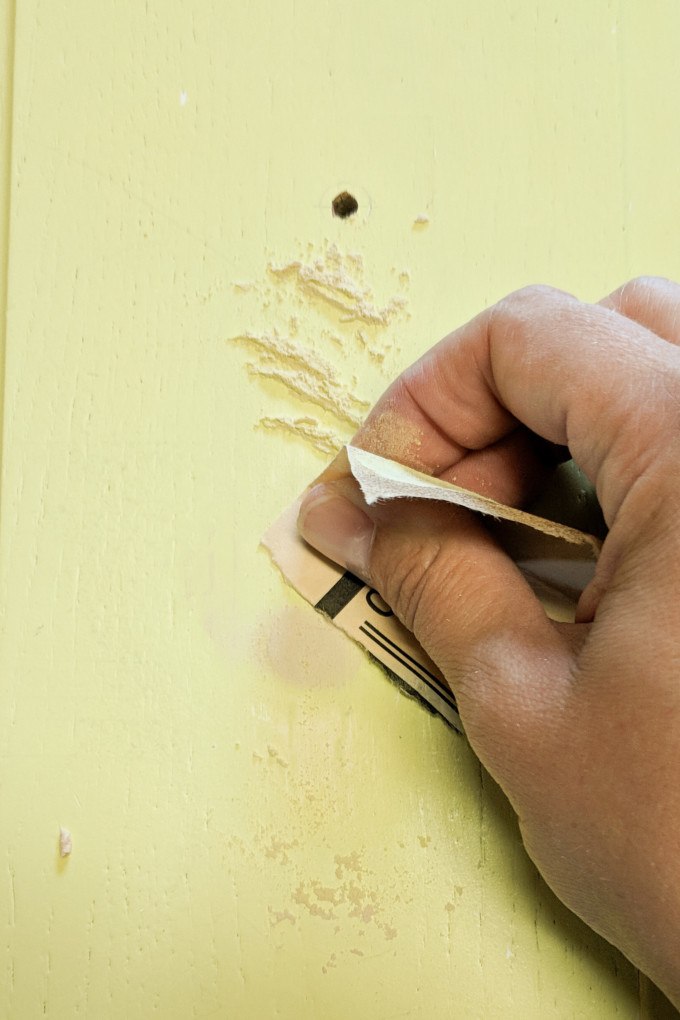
65	841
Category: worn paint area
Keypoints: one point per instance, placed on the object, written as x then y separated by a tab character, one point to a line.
304	651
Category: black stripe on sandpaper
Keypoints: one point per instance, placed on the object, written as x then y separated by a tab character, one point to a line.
416	672
340	595
405	655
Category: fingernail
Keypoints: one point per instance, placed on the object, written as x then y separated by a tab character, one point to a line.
337	528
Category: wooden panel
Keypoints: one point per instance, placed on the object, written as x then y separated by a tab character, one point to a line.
262	825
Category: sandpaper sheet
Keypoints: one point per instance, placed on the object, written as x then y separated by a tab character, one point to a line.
557	561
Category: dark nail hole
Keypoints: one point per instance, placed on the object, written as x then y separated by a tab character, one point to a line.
344	205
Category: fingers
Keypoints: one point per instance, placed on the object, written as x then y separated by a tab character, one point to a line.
578	375
571	721
540	361
651	301
475	615
470	608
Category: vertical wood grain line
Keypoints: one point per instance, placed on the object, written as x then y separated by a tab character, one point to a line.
8	12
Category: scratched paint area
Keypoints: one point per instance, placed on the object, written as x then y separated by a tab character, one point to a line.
257	823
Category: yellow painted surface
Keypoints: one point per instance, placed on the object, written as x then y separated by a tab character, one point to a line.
262	825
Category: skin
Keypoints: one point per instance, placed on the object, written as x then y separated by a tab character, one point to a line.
579	723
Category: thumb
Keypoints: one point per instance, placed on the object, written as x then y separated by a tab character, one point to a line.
468	605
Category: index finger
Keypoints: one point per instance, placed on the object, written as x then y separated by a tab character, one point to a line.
576	374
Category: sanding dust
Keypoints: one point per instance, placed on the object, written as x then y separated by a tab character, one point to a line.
421	221
308	429
328	278
304	373
65	842
396	438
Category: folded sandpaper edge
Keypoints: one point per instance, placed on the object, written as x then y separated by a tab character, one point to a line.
373	625
382	479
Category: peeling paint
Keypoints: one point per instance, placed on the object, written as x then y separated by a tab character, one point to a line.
324	440
374	352
328	279
327	305
277	849
305	374
277	916
350	862
276	757
350	898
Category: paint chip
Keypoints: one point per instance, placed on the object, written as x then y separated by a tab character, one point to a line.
65	841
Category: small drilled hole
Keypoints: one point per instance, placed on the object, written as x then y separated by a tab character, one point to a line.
344	205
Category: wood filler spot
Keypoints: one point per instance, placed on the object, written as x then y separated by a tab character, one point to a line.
344	205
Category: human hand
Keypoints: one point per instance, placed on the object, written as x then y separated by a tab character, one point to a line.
579	723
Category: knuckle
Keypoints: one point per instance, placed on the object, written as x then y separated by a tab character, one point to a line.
528	297
538	292
642	291
646	283
512	313
412	586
